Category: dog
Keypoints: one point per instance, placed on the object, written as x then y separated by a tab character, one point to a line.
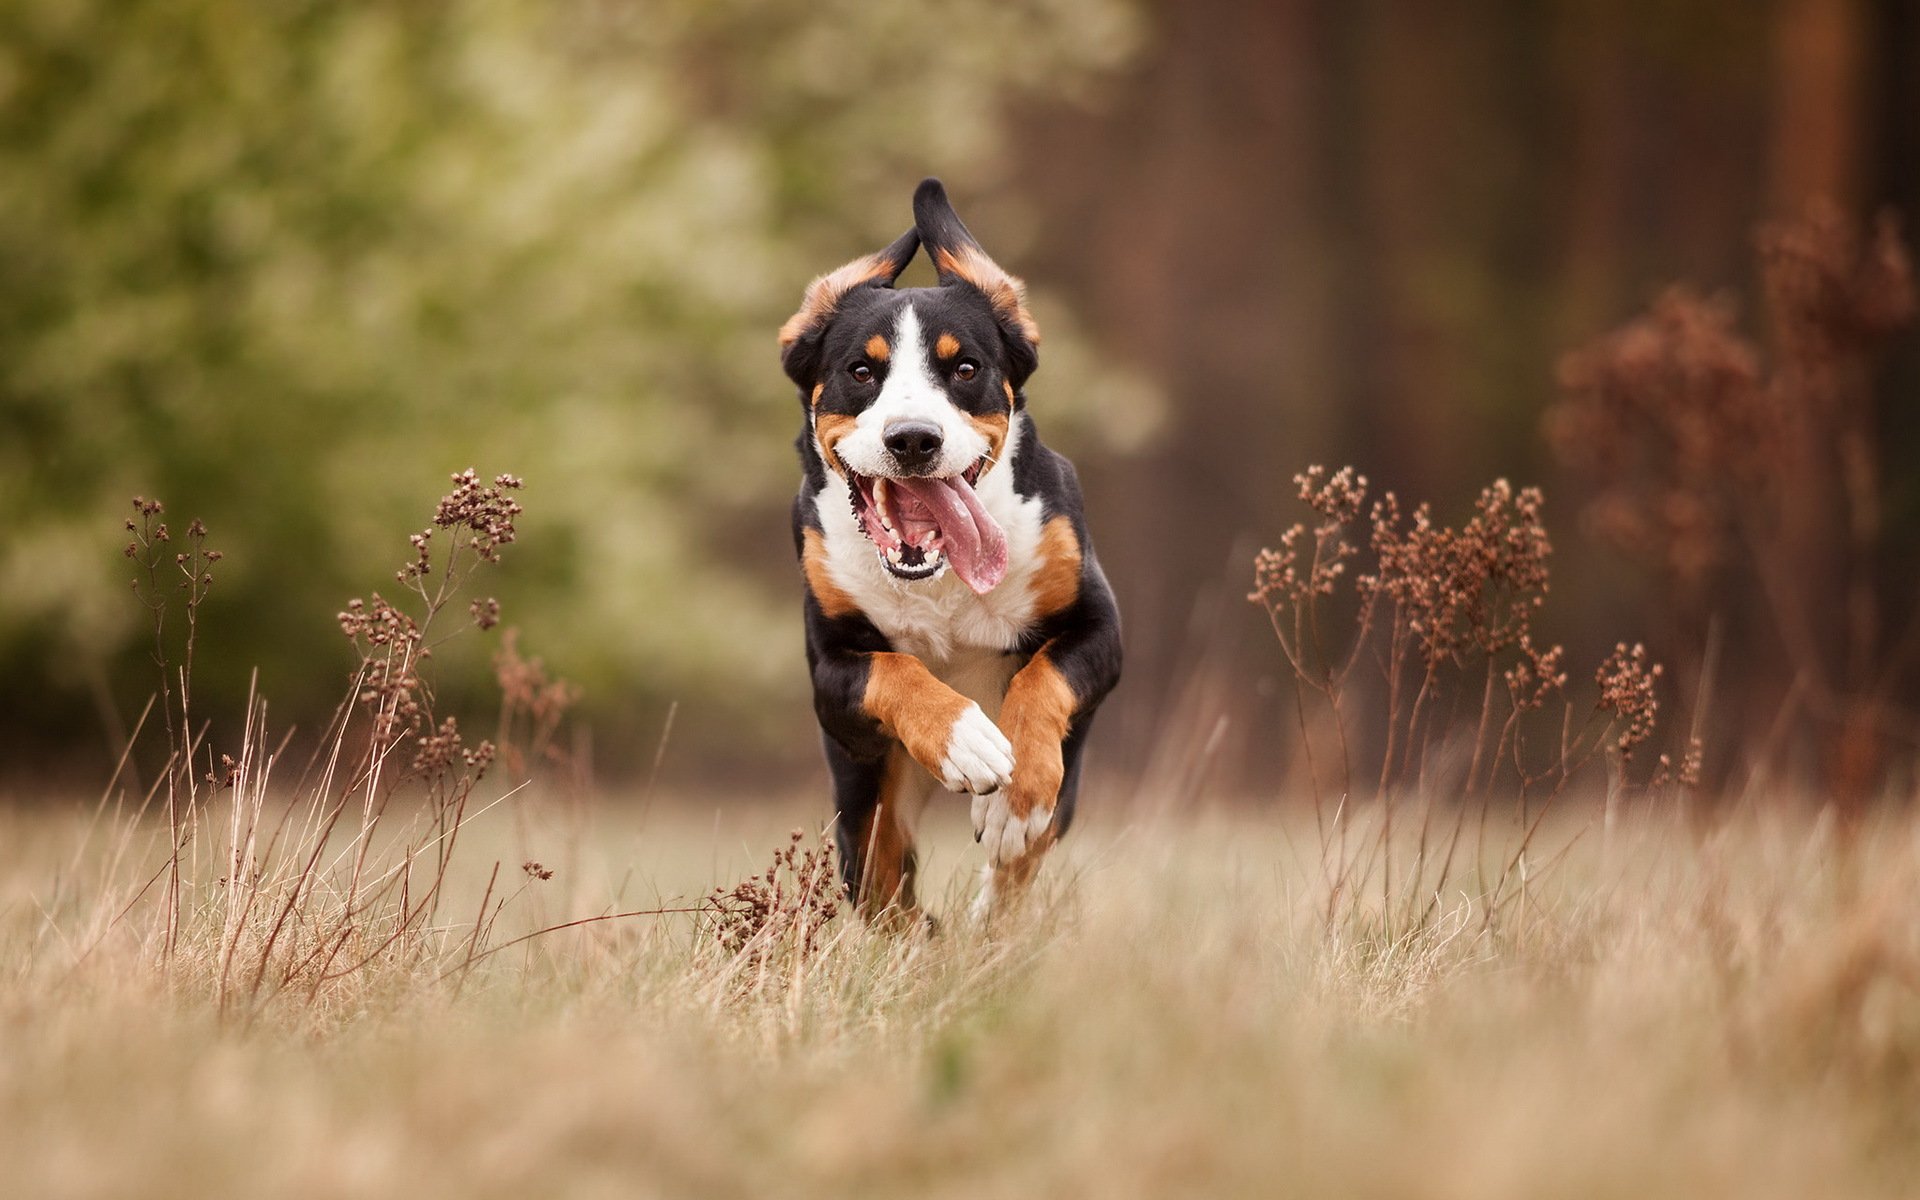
959	630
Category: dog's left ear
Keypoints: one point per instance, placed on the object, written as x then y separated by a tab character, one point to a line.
958	259
800	336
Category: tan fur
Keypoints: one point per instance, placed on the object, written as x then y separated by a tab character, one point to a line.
1010	880
817	389
1035	716
1007	294
994	429
823	295
912	706
833	600
828	431
886	881
877	348
1056	584
947	346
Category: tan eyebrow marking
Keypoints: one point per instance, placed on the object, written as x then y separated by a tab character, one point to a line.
877	348
947	346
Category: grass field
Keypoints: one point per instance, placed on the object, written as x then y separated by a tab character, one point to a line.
1671	1010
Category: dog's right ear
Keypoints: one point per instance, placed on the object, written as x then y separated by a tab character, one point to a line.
958	259
800	337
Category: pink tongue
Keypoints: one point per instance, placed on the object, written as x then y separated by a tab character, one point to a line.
973	540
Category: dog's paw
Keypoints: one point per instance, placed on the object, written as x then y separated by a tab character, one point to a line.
1003	833
979	758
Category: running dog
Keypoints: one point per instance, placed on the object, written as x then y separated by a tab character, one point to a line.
959	630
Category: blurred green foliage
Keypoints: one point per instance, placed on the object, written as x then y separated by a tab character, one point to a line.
288	263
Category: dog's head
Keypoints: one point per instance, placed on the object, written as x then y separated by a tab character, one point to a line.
911	391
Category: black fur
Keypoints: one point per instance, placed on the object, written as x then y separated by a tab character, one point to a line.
866	311
801	359
940	228
1082	640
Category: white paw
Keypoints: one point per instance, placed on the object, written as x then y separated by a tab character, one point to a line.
981	910
979	757
1004	836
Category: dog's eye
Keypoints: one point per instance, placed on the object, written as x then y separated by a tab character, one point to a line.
861	373
965	369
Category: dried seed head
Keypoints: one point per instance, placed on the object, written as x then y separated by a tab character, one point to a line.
1690	443
1337	497
478	759
781	912
1626	681
485	612
1833	289
1536	676
435	752
1311	563
485	511
1475	587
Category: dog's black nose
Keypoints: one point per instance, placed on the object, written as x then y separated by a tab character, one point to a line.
913	444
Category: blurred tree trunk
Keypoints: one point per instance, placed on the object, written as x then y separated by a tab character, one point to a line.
1891	84
1364	231
1183	225
1816	137
1818	111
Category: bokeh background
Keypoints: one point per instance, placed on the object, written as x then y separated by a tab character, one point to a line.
288	264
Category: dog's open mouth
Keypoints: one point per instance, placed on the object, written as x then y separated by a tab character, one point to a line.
921	524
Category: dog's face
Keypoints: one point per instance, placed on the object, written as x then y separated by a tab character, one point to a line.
910	393
915	398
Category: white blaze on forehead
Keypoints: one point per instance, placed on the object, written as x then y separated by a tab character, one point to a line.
910	393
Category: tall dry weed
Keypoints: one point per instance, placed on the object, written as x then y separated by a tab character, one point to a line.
334	888
1729	468
1413	643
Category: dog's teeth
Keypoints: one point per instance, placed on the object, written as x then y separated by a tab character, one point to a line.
880	506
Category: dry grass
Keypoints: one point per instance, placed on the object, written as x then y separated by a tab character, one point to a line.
1502	974
1672	1013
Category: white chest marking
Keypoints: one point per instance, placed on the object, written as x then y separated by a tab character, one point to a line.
940	620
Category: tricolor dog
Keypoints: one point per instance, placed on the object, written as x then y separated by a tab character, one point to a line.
959	630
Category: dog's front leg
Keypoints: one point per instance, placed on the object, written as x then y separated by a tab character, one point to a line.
1036	714
1058	688
944	731
870	699
878	708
